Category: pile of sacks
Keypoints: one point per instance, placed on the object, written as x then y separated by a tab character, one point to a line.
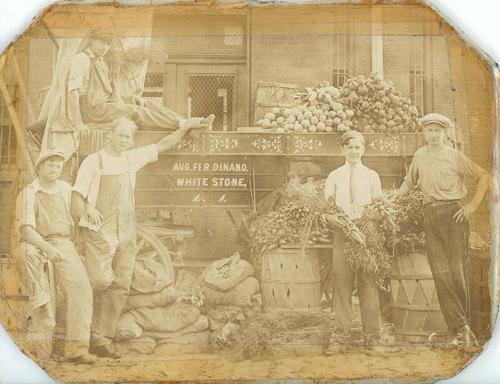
156	310
231	293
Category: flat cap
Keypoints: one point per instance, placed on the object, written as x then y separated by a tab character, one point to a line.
102	34
438	119
46	153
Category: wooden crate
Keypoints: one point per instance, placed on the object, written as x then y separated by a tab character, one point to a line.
479	290
415	306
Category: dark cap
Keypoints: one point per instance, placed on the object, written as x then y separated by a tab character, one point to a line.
49	152
438	119
102	34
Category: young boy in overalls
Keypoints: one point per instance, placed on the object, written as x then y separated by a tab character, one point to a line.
352	186
104	194
46	226
439	170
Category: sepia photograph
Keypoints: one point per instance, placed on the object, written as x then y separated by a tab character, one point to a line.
225	192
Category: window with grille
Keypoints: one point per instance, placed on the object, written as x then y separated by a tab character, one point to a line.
341	52
339	76
154	87
418	75
417	89
213	94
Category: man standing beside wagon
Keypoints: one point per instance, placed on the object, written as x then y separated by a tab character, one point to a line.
104	197
439	171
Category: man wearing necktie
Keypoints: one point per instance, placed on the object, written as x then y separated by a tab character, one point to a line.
352	186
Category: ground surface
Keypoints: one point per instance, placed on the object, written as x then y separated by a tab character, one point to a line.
188	363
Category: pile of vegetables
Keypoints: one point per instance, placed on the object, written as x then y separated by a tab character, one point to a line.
365	103
398	230
299	220
409	219
378	106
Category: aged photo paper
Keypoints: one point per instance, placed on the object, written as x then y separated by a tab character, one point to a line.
208	191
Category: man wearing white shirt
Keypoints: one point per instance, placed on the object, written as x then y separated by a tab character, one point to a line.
104	198
352	186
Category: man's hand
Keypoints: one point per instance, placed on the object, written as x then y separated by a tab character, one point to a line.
464	213
192	123
35	254
332	220
92	215
373	214
196	124
53	254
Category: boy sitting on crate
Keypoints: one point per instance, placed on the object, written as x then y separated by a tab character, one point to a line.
352	186
46	226
440	170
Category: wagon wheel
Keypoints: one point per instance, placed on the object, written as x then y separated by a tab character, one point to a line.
148	242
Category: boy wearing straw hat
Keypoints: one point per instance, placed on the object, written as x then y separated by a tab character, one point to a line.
45	225
439	170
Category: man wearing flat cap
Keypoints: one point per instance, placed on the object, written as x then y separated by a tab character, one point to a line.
439	170
93	97
45	226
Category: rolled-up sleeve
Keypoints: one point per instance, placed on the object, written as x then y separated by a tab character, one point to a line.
78	73
411	178
139	157
329	190
85	176
25	209
469	168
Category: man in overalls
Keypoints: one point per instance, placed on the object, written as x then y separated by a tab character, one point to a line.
93	94
104	193
46	226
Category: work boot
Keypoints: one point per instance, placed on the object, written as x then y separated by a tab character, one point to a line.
85	358
380	342
468	338
464	339
106	350
337	343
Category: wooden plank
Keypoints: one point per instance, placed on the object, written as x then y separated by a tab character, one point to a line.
272	144
3	58
21	140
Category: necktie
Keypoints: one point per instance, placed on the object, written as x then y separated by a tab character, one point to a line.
351	186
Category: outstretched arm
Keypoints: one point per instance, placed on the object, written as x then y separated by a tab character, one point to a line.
185	125
171	140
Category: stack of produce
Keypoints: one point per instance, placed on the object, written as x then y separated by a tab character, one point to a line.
364	103
400	229
409	219
299	220
317	110
378	106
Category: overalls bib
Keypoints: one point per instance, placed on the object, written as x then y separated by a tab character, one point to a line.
54	224
110	252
